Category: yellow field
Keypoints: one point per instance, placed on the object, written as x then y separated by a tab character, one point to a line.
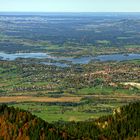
8	99
38	99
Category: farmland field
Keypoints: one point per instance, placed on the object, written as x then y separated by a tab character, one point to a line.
69	67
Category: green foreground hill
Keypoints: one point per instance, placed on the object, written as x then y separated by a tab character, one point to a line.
17	124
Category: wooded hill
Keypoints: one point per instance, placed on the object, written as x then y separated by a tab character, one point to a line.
17	124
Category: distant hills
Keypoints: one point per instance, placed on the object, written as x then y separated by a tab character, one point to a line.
17	124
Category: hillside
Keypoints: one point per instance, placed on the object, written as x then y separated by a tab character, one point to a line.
16	124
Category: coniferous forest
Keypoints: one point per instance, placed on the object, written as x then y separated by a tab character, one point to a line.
17	124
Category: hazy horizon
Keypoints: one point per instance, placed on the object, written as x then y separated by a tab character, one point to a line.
71	13
70	6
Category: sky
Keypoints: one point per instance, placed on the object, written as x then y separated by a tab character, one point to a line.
69	5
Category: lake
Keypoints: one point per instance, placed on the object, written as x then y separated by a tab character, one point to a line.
80	60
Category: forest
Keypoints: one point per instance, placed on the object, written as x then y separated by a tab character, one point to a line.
17	124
